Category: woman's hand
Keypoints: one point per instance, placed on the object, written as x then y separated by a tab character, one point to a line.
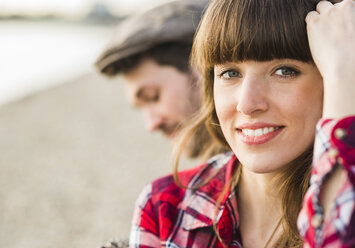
331	35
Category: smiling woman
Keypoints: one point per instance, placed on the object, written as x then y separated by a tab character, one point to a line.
274	87
268	81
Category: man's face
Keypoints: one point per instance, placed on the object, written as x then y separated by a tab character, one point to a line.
165	95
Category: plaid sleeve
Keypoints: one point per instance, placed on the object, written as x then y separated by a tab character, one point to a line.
334	146
144	230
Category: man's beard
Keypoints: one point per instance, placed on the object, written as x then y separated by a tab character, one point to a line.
169	130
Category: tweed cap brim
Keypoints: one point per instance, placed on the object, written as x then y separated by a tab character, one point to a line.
174	22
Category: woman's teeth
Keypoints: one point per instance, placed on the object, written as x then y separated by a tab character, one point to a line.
259	131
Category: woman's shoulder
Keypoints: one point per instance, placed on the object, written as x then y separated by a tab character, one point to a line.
166	189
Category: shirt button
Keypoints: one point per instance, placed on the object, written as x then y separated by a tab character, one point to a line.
333	152
340	133
317	220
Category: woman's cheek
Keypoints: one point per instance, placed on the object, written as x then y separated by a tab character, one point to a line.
224	108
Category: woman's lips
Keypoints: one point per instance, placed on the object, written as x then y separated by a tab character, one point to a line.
257	136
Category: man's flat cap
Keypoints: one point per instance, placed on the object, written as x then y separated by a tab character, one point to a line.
173	22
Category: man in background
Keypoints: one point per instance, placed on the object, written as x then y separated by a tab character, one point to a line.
150	51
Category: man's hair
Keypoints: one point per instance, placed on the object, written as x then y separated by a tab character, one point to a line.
173	54
164	33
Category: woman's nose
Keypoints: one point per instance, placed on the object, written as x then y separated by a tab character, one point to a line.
252	96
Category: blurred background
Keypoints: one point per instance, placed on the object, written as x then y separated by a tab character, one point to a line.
73	155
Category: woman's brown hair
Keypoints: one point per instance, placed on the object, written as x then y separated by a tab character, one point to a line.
259	30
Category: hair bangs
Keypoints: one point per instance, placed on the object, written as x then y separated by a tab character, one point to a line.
259	30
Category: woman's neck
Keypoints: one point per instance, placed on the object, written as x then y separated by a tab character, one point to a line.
259	207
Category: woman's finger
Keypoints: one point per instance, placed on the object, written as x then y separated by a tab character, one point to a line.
311	16
324	6
345	2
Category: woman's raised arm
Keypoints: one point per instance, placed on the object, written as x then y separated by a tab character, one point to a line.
331	35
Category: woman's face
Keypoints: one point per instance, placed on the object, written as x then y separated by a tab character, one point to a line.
268	110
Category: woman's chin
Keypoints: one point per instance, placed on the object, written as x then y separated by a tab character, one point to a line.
261	166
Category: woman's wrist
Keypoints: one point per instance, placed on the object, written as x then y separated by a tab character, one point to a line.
339	99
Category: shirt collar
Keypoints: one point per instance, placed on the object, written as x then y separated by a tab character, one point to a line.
199	205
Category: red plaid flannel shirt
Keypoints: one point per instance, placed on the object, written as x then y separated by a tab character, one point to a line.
169	216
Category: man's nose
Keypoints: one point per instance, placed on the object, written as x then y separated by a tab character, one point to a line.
153	121
252	96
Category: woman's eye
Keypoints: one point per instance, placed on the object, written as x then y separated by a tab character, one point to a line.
286	72
230	74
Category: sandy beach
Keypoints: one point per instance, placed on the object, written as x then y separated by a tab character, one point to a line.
73	159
